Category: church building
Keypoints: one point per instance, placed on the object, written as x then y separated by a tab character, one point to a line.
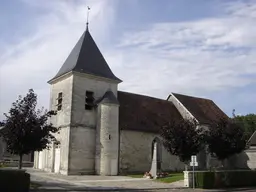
105	131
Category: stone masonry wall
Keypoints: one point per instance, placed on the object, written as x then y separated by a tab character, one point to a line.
82	150
107	151
5	155
136	153
83	122
244	160
82	84
251	154
62	119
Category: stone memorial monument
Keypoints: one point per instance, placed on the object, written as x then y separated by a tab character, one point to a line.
156	159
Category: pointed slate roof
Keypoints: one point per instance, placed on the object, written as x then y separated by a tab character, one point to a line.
86	58
108	97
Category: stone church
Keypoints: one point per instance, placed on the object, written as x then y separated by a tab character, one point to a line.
106	131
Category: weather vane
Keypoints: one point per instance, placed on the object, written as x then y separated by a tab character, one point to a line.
88	10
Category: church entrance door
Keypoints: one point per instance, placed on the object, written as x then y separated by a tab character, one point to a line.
57	160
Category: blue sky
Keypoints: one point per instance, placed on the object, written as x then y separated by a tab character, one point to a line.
200	48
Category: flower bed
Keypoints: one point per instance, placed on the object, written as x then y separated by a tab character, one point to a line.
159	175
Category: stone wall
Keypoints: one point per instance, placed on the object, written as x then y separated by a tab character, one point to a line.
48	159
81	84
62	120
107	140
84	122
6	156
82	150
244	160
136	153
251	154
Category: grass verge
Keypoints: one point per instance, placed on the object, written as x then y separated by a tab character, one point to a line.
34	185
172	177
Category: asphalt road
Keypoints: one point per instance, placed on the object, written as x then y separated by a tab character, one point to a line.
52	184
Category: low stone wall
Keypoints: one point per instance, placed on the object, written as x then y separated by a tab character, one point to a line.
188	178
16	163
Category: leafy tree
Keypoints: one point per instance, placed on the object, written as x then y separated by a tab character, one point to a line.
26	129
248	123
182	138
225	138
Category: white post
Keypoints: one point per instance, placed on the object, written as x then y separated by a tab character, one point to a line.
193	176
193	163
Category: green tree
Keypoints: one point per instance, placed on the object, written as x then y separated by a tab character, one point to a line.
225	138
248	123
182	138
26	129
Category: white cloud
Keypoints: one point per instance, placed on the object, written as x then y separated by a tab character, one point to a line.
35	59
212	54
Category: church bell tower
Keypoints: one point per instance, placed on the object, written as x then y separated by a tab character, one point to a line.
84	92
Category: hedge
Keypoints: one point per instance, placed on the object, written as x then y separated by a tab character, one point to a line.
14	180
224	179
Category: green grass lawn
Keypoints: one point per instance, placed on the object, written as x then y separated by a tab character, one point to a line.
172	177
34	185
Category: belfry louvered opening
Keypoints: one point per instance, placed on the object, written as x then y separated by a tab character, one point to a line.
59	101
89	100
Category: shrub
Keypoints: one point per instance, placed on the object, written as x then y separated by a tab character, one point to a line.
223	179
14	180
2	164
204	180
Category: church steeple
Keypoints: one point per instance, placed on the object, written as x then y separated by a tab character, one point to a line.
86	58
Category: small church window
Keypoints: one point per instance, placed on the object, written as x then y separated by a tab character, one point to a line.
59	99
89	100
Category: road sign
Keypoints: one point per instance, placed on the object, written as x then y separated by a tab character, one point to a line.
194	164
193	158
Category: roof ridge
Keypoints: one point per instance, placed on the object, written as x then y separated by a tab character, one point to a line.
191	96
142	95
